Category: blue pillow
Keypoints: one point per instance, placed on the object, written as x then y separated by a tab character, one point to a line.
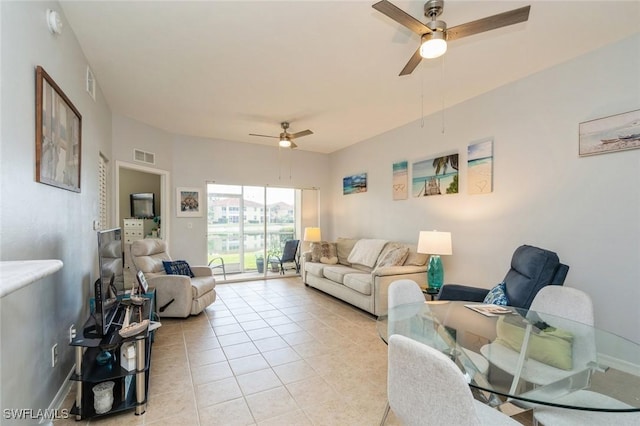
497	295
177	267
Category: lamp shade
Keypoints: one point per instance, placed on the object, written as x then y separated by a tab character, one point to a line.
434	242
312	234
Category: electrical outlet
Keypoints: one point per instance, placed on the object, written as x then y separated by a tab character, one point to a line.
54	355
72	332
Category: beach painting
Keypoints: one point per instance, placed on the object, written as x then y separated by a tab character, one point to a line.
354	184
435	176
401	180
480	167
609	134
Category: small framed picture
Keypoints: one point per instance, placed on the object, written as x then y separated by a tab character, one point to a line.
188	202
143	286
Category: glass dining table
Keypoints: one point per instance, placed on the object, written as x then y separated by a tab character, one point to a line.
525	357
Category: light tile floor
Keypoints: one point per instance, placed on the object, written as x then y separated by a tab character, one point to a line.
269	352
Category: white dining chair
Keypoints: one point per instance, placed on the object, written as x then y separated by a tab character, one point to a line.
561	303
577	305
426	388
402	292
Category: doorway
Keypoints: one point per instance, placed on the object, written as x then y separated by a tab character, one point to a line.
133	178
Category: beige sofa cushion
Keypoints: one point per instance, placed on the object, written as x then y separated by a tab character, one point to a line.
314	268
414	258
202	285
337	273
344	247
366	251
359	282
393	254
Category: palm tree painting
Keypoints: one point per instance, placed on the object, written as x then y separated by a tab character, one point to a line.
435	176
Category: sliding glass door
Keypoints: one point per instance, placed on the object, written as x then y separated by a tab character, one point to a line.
248	225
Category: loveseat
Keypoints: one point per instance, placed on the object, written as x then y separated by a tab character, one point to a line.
359	271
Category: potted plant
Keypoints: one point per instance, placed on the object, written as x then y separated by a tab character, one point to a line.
260	263
273	254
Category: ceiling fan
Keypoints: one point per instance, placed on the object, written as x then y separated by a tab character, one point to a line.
285	137
435	34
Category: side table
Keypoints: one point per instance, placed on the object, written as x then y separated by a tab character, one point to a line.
431	292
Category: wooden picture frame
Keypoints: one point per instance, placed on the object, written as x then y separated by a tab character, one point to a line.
58	136
188	202
618	132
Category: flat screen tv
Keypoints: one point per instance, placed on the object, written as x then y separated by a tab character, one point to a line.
111	260
143	205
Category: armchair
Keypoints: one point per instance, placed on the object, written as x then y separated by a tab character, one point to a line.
176	295
532	268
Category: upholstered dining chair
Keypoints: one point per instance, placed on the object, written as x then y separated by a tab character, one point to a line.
561	303
402	292
425	388
577	305
406	291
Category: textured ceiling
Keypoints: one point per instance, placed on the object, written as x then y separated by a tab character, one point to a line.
224	69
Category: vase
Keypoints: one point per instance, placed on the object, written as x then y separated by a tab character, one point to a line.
103	397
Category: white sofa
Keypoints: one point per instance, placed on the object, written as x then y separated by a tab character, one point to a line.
359	271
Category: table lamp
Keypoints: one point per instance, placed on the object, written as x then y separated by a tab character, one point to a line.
312	235
435	244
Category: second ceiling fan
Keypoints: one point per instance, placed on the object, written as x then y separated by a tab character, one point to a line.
435	34
286	138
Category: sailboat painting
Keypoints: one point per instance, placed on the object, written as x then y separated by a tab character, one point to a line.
615	133
401	180
435	176
480	167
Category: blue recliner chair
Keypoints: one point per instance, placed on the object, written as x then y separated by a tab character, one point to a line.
531	269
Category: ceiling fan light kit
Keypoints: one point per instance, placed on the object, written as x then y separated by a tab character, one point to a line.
435	34
285	138
433	45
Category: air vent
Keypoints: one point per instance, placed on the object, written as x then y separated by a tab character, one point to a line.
91	84
144	157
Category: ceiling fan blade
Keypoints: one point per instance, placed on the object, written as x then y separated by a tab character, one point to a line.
412	64
264	136
401	17
293	146
300	134
489	23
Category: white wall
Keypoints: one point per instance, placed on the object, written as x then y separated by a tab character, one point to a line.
38	221
194	161
586	209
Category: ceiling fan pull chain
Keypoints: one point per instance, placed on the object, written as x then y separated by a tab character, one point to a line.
442	92
422	99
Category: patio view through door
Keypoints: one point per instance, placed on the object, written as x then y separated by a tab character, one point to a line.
248	225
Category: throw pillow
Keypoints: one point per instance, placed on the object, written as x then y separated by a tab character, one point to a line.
551	346
497	295
394	257
177	267
322	249
329	260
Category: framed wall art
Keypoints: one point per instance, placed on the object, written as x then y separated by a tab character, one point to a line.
58	135
609	134
480	167
354	184
435	176
401	180
189	202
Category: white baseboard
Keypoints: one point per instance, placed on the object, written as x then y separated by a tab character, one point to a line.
56	403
